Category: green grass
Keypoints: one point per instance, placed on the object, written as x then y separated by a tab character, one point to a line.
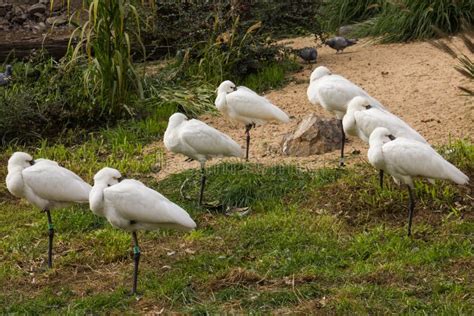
328	241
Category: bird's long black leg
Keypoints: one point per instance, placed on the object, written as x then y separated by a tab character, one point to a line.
381	178
343	140
248	127
50	236
203	183
136	258
411	208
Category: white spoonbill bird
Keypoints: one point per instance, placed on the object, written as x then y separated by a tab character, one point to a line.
46	185
333	93
362	118
245	106
405	158
198	141
132	206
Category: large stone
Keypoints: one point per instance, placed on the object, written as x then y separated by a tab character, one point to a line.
37	8
19	19
313	136
57	20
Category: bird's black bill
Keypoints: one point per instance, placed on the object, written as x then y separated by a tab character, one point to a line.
391	137
368	106
32	162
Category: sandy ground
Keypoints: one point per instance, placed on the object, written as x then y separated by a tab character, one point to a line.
414	81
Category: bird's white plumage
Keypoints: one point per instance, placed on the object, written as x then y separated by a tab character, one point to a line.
406	158
362	118
333	92
44	184
132	206
243	105
198	140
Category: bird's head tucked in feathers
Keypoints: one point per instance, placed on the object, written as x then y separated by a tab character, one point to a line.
176	119
20	160
108	176
358	103
381	134
319	72
227	87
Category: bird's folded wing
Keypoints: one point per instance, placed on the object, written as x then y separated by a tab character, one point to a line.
413	158
245	102
136	202
54	183
207	140
346	89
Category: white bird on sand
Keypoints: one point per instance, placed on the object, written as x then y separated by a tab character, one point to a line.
245	106
198	141
333	93
46	185
132	206
405	158
362	118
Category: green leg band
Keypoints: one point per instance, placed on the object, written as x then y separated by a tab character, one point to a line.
50	226
136	250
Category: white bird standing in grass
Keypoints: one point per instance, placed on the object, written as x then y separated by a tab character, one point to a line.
198	141
362	118
46	185
333	93
405	158
132	206
245	106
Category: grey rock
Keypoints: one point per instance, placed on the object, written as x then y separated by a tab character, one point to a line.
19	19
57	20
38	16
36	8
339	43
313	136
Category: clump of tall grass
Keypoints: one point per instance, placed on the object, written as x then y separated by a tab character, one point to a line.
340	12
104	43
406	20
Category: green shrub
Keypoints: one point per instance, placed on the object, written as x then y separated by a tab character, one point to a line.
44	101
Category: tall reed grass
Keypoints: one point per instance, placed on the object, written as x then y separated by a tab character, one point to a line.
105	43
406	20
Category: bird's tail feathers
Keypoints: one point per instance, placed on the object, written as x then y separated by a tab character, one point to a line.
456	175
280	115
